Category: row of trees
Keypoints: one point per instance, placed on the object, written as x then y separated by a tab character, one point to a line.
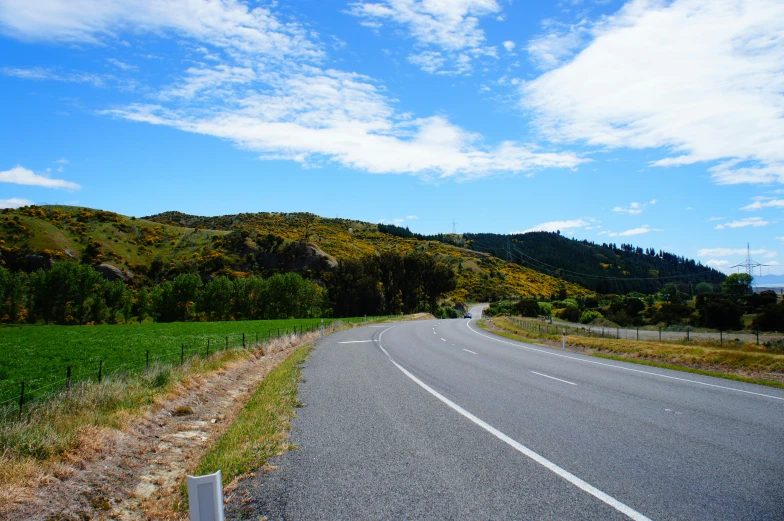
717	307
71	293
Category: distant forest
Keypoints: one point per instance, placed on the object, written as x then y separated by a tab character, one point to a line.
605	268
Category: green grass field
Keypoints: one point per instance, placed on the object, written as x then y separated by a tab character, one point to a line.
39	355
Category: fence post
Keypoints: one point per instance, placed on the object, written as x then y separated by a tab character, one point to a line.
68	378
721	337
757	336
21	401
617	333
182	354
147	362
208	346
243	340
659	334
100	370
688	334
638	333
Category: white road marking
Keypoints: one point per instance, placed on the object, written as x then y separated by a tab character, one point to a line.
549	465
523	346
356	341
554	378
469	351
380	326
443	339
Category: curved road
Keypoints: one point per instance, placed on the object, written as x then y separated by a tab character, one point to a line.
442	420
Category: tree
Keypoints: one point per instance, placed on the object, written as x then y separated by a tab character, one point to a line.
704	288
737	284
185	292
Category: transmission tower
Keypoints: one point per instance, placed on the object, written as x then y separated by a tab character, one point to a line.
454	226
749	264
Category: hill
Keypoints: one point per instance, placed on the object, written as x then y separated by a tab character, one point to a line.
604	268
163	246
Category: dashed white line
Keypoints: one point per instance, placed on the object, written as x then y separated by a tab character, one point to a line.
554	378
469	351
523	346
549	465
443	339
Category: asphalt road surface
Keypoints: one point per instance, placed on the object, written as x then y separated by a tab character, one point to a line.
442	420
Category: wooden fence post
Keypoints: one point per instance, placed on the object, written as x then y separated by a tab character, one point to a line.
68	378
182	354
243	340
147	362
100	370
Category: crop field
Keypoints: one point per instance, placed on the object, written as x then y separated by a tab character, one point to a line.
40	355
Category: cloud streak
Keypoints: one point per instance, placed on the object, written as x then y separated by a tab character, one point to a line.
22	176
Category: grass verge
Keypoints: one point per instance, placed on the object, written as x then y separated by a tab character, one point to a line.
732	362
260	431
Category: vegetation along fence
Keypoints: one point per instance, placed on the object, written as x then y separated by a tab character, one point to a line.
646	334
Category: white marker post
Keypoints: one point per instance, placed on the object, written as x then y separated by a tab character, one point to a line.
205	497
563	339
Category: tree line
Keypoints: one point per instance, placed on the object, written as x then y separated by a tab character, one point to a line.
70	293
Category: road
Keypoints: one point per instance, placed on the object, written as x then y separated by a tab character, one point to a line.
442	420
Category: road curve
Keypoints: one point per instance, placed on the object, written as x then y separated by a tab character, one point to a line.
442	420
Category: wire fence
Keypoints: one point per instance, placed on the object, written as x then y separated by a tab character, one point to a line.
647	334
98	369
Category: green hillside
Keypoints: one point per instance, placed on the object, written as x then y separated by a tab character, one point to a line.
163	246
605	268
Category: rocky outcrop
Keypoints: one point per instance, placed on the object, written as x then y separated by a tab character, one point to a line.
111	272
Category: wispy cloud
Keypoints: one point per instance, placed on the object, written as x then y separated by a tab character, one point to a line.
563	226
633	231
729	252
14	202
724	67
764	202
22	176
633	208
447	33
742	223
47	74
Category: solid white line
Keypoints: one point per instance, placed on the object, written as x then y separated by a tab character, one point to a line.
518	344
469	351
549	465
554	378
355	342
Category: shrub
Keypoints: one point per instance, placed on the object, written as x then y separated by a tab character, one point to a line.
589	316
570	314
545	308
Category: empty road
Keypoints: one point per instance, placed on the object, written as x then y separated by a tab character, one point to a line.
442	420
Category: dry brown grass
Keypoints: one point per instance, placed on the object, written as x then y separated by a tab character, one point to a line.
747	361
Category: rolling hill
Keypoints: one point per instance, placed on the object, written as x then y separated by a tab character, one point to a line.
165	245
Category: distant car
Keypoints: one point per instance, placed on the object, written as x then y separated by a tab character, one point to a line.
467	315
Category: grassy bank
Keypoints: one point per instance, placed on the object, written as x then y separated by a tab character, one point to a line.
51	428
745	362
260	430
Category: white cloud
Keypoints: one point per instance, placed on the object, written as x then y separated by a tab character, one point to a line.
634	231
47	74
729	252
718	264
552	226
558	45
267	92
449	27
342	117
633	208
764	202
780	238
227	24
14	202
707	88
121	65
412	217
509	45
742	223
22	176
715	219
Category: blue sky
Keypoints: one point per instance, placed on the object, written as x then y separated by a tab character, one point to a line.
652	122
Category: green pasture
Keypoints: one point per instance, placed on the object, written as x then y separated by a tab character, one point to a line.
40	355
